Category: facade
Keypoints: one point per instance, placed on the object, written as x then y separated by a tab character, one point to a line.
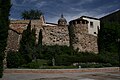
93	25
75	34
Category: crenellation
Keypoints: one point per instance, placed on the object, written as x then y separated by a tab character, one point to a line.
80	39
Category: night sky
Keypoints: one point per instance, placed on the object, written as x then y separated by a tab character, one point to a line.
52	9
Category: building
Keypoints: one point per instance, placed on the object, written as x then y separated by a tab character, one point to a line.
93	25
77	33
80	38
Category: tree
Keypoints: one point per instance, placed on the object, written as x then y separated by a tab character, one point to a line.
5	6
40	38
27	44
14	59
33	43
108	36
108	44
39	45
31	14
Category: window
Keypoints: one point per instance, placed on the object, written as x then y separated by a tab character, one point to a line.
95	33
98	27
91	24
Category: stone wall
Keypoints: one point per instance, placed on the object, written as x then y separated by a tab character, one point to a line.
85	42
55	35
109	69
80	39
15	31
75	35
52	33
13	40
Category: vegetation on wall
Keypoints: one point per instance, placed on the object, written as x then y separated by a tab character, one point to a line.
5	6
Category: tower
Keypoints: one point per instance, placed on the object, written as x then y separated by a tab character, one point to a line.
62	21
80	38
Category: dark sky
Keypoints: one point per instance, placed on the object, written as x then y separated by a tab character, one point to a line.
71	9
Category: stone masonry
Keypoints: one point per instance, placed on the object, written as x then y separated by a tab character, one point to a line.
75	34
80	39
55	35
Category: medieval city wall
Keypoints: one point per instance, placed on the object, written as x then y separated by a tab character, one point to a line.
52	34
18	26
80	39
75	34
15	31
13	40
55	35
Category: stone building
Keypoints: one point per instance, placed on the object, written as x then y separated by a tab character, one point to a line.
93	25
80	38
73	34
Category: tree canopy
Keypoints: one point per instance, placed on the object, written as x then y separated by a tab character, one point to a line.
31	14
5	6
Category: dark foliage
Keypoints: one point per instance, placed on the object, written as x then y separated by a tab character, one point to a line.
66	56
39	45
108	39
14	59
31	14
113	17
40	38
5	6
27	44
109	35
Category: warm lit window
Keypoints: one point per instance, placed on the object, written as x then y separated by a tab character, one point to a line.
91	24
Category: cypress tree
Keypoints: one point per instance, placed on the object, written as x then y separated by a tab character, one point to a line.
5	6
33	43
24	44
40	38
39	46
33	37
27	44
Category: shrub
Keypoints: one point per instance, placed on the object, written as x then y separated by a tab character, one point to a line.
14	59
33	65
64	60
36	64
109	57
